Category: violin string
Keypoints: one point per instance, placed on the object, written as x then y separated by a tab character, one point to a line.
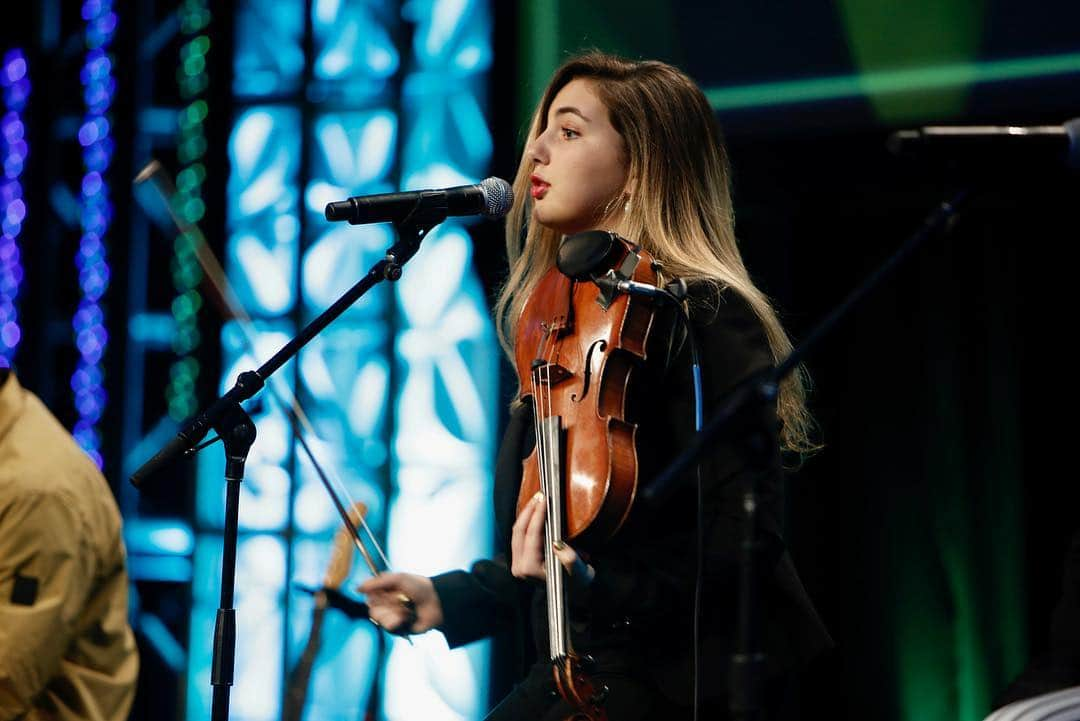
552	502
542	400
538	414
541	455
231	307
554	515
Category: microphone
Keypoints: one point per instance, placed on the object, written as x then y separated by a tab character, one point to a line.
674	291
491	196
993	145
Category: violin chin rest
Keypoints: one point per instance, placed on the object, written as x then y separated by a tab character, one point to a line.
585	255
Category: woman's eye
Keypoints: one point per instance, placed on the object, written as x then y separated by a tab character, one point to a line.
569	133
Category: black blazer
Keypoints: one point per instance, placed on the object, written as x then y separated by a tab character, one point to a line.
644	584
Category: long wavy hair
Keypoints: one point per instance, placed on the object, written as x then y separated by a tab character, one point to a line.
679	210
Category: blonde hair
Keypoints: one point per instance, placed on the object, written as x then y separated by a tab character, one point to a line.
680	209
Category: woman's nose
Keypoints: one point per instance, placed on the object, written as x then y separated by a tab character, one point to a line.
537	150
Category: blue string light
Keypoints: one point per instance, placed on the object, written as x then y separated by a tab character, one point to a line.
15	81
91	336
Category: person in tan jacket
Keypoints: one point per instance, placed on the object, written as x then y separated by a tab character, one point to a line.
67	651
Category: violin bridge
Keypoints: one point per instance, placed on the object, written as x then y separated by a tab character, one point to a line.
549	374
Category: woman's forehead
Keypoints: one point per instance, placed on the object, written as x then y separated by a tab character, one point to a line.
578	96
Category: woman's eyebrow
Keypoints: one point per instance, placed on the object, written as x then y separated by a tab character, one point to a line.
571	109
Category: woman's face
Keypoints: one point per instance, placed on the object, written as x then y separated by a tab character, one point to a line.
580	168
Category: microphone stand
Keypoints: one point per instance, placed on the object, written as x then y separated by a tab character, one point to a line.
237	431
739	417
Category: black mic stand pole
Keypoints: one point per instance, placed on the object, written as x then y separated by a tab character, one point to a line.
237	432
740	413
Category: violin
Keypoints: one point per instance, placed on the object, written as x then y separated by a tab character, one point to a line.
577	349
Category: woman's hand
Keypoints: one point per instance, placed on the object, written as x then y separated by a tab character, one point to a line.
402	603
527	548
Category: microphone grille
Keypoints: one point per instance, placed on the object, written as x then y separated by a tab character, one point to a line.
498	196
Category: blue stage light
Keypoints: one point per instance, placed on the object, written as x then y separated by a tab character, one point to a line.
269	52
15	85
401	389
88	323
446	356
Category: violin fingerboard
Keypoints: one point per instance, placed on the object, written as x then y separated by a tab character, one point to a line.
551	484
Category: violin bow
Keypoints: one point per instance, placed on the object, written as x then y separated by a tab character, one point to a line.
337	571
230	307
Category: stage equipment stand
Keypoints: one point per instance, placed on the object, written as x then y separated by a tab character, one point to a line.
740	418
237	431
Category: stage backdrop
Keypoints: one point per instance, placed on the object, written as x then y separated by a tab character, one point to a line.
334	99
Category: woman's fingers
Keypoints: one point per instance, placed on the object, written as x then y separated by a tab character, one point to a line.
526	540
392	618
517	534
402	602
527	548
384	608
383	583
534	535
581	574
568	557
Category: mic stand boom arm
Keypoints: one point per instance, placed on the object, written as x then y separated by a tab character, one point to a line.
237	431
736	419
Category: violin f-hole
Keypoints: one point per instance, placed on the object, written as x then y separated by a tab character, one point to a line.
600	345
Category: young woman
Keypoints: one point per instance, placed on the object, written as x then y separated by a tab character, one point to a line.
633	147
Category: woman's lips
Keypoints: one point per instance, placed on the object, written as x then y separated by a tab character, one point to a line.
539	187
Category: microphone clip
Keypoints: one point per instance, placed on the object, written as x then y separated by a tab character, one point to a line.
430	210
608	283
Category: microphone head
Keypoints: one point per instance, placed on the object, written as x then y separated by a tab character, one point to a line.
992	148
900	140
498	196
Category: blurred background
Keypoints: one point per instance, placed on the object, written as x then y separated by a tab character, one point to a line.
931	531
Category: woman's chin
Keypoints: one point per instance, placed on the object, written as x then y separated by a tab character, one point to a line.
563	226
540	217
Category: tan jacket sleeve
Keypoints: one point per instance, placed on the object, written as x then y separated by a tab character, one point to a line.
45	577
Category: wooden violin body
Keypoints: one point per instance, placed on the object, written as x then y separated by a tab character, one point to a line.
578	689
577	350
576	354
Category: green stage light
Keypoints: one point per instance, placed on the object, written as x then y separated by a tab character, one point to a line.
886	82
